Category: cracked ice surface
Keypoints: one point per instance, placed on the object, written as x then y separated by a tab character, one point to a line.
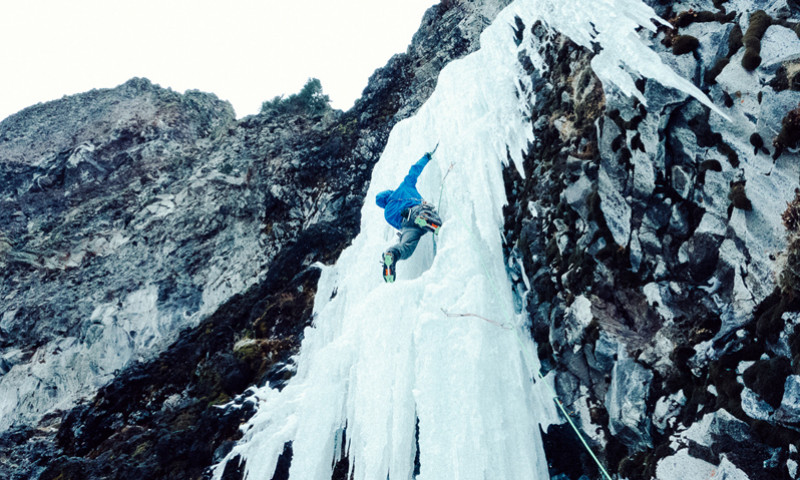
380	356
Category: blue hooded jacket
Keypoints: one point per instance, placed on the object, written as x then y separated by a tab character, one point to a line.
393	202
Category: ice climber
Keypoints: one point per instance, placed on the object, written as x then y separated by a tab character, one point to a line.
406	211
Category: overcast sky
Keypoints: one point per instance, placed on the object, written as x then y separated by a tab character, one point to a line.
244	51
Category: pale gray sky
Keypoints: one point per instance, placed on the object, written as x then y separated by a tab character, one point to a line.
244	51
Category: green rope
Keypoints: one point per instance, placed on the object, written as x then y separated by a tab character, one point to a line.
566	415
441	192
439	205
525	350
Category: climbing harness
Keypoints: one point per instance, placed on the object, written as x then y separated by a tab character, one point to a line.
425	217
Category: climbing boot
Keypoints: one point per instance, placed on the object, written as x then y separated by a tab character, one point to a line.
389	263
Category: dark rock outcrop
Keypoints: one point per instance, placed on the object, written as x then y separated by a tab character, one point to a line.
652	252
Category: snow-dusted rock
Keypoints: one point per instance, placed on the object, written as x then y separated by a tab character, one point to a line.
626	401
605	352
576	319
790	404
615	209
724	424
779	44
666	409
754	406
681	466
575	195
644	174
712	38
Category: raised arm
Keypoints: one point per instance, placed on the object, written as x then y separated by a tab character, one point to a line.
416	170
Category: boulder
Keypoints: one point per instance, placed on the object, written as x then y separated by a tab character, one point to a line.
626	402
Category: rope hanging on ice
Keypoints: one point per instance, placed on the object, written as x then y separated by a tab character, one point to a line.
501	325
526	352
441	192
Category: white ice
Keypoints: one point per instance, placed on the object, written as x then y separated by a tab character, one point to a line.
380	356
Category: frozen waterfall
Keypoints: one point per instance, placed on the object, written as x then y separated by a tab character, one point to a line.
381	357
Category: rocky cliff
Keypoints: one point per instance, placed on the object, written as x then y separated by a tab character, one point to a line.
661	262
158	255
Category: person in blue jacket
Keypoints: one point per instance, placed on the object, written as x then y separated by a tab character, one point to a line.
406	211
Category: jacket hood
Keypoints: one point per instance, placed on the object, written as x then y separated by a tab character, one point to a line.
383	198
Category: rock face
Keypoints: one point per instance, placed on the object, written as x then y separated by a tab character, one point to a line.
664	222
159	250
158	255
99	221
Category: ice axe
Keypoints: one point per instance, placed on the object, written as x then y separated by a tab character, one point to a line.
430	154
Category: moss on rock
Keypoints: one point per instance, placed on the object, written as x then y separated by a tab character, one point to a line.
738	196
684	19
727	100
751	59
759	23
789	278
684	44
735	40
787	77
757	142
789	136
791	216
246	349
769	315
729	152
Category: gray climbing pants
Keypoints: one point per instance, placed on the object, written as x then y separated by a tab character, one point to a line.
409	236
